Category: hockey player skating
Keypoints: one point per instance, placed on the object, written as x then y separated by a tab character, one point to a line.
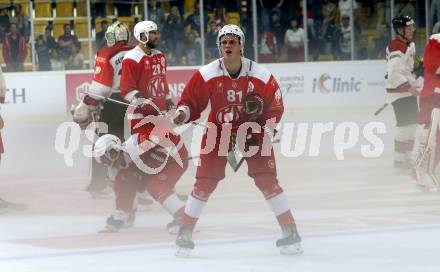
6	206
427	149
238	90
105	84
129	179
402	89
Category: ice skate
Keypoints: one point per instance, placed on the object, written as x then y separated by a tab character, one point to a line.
290	242
6	206
184	243
119	220
173	226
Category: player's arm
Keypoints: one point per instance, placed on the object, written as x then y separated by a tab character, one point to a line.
194	99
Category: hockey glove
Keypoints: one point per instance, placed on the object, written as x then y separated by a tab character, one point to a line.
418	67
86	111
253	106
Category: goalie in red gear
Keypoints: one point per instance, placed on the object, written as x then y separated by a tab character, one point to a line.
428	140
235	87
106	81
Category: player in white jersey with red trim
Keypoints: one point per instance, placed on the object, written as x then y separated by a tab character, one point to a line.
239	91
427	151
402	89
106	81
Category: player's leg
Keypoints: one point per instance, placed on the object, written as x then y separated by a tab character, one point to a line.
209	173
161	188
427	153
126	185
263	170
406	113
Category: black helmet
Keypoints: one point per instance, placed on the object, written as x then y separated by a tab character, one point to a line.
402	21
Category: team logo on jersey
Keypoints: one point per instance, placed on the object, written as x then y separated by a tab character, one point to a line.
234	84
250	87
162	61
147	64
156	87
271	164
228	114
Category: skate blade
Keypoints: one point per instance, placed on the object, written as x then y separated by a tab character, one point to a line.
294	249
109	230
182	252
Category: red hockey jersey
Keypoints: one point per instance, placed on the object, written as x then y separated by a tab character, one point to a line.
212	83
146	75
431	62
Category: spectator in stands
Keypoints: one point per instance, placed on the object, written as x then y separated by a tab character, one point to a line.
268	47
328	27
100	36
277	28
14	50
76	61
382	41
43	54
66	42
342	41
294	39
56	62
266	9
4	23
49	39
194	17
248	30
383	11
404	7
192	48
344	7
175	32
156	14
22	21
434	13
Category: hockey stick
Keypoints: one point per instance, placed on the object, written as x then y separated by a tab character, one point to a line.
380	109
131	105
243	158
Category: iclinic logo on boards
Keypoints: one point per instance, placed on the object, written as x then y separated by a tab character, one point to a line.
327	84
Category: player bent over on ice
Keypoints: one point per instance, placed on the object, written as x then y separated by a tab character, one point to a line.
128	165
239	91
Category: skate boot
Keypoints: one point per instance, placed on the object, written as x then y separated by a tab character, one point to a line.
290	242
119	220
184	242
173	226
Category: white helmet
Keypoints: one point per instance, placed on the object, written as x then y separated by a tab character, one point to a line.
144	27
231	29
104	145
116	32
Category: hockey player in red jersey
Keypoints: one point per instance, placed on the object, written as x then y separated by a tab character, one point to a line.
143	81
428	147
402	88
239	91
129	179
106	81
